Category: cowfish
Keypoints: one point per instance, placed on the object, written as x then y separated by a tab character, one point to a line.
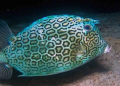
50	45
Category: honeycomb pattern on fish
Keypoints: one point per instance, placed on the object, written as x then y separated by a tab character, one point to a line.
52	45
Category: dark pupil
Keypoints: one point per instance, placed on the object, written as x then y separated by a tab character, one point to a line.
87	27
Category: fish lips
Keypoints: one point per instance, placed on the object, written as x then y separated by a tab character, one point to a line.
107	49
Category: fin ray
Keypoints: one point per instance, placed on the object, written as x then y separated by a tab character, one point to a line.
5	34
5	71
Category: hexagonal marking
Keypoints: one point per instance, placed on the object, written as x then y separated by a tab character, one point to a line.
12	55
62	30
42	37
12	39
78	34
72	38
40	30
41	63
20	57
19	38
50	45
43	50
25	40
19	51
40	24
53	37
19	44
7	55
70	19
27	61
64	36
66	43
50	64
27	53
60	19
72	23
66	52
34	63
71	32
33	42
34	48
50	31
65	23
68	64
32	29
20	64
72	46
47	26
65	59
57	58
36	56
25	34
39	37
51	52
60	65
42	43
33	35
26	47
13	48
46	58
78	40
51	20
56	25
14	61
58	49
58	41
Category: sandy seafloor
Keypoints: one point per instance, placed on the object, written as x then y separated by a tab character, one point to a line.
102	71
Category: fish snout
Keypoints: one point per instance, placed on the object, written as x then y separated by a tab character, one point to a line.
107	49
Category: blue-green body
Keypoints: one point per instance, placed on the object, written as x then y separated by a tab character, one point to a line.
54	44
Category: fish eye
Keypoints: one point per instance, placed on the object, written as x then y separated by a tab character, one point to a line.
87	27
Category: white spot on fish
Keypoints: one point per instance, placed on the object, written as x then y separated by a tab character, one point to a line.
47	26
40	31
53	39
57	58
79	55
56	25
41	36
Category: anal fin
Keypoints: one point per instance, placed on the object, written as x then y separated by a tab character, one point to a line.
5	71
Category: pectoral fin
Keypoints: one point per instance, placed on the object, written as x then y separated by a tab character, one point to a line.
82	49
5	71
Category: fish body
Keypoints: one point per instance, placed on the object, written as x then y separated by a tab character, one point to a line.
52	45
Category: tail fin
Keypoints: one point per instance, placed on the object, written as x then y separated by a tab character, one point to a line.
5	35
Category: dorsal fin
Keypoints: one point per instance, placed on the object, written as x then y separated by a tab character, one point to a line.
5	34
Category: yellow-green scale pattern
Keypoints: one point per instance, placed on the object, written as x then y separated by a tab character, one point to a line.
52	45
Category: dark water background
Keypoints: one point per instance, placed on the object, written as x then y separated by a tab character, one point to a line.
39	8
21	13
24	12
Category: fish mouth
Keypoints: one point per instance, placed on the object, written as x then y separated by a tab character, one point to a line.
107	49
